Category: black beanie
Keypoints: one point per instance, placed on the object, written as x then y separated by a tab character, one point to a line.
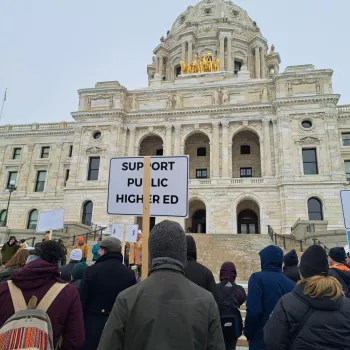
314	262
167	240
291	258
338	254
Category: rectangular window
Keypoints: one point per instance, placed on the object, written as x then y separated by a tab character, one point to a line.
245	149
40	181
347	169
201	173
238	66
17	153
45	152
201	152
12	177
246	172
94	166
310	161
66	178
70	151
346	138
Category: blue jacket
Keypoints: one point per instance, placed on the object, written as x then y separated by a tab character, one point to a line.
95	251
265	288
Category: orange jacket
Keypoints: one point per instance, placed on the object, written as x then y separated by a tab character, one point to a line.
135	253
83	248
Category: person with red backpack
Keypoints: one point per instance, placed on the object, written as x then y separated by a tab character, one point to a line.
230	297
38	309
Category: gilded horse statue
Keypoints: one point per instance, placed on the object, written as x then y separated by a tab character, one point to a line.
203	65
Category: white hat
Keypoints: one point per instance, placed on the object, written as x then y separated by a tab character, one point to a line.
76	254
139	232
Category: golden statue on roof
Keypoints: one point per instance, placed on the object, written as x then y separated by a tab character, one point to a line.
204	65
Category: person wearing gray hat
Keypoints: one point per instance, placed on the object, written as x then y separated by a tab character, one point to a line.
99	287
165	311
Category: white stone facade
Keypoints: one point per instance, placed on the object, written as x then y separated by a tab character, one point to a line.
248	103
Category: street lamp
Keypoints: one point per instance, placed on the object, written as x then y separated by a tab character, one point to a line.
11	189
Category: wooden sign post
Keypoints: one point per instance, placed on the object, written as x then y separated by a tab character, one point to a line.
146	215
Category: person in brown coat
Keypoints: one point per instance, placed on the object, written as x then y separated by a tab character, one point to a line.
9	249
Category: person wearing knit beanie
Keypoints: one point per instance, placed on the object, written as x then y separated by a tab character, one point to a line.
167	310
338	255
314	262
290	268
339	269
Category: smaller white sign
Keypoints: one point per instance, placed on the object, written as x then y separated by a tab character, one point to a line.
131	233
117	231
345	202
51	220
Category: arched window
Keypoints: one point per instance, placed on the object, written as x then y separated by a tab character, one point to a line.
32	219
3	218
314	207
87	213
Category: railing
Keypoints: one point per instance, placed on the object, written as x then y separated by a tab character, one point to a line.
274	237
33	240
97	231
345	108
318	242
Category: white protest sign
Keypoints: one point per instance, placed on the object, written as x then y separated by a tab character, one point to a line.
345	202
131	233
169	186
50	220
117	231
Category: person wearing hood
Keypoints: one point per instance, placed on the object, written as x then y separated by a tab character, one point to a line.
96	249
265	288
315	315
83	247
15	264
290	267
99	288
338	268
9	249
37	278
230	298
166	310
196	272
77	273
66	270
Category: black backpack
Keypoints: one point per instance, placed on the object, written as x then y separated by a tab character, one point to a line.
231	318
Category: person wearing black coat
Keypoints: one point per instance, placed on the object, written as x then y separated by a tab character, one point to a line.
290	267
196	272
99	288
315	315
66	270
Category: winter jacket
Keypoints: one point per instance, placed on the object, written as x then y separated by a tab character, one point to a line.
265	288
76	283
237	291
99	287
196	272
135	253
290	268
165	311
327	327
65	313
83	248
95	252
66	270
342	274
292	272
6	274
8	251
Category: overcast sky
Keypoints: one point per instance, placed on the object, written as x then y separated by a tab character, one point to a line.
50	49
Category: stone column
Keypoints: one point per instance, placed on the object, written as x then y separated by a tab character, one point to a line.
216	150
131	148
157	65
190	48
267	162
229	54
177	141
262	62
276	147
27	153
52	184
222	53
161	65
169	129
257	63
225	124
183	52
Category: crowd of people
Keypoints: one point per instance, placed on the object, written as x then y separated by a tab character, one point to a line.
290	304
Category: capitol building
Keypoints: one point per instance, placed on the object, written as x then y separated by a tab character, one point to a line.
265	146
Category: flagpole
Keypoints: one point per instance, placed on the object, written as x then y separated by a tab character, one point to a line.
3	102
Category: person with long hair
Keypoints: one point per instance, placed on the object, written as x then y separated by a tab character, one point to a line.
315	315
16	263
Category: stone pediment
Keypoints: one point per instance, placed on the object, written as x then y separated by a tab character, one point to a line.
94	150
309	140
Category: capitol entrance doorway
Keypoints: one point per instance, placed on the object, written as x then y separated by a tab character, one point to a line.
248	217
197	221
